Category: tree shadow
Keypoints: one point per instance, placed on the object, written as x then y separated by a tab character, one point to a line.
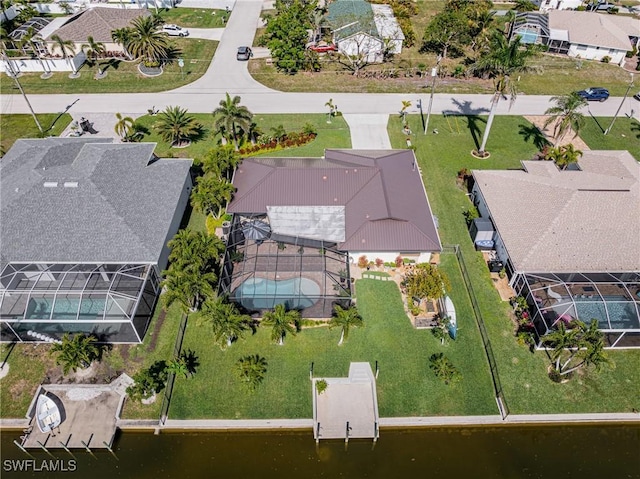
191	360
471	114
201	133
531	133
596	121
635	127
111	63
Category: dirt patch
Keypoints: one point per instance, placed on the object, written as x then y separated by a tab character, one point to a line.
156	330
568	137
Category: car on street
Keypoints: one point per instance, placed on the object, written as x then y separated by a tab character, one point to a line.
323	47
594	94
244	53
637	96
174	30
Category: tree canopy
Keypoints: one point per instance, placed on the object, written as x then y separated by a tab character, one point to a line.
426	281
287	34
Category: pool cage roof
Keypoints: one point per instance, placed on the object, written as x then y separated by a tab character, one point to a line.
277	258
71	292
35	23
611	298
532	27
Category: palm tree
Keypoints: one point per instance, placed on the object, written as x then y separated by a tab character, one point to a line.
227	322
569	156
75	352
565	115
251	370
211	194
146	41
221	161
178	366
345	319
503	59
122	36
67	49
194	250
33	41
187	287
403	112
232	116
94	50
123	126
176	127
282	322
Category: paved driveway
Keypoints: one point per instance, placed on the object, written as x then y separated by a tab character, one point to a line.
368	131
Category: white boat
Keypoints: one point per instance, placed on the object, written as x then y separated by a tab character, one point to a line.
451	314
47	414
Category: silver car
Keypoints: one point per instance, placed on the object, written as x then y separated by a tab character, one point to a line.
174	30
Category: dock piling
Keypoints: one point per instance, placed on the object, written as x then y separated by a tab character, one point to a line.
22	448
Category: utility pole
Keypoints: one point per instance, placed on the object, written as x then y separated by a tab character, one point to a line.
434	75
14	75
606	132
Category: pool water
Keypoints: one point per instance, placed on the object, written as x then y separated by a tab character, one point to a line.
260	293
622	314
64	308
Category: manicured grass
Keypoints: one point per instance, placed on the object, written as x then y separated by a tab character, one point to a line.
334	135
13	127
406	385
194	17
124	77
625	134
523	374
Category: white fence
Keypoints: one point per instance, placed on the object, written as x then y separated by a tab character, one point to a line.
23	65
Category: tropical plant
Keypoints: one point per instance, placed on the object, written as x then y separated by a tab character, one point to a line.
443	368
147	42
220	162
287	34
447	32
321	386
525	6
77	351
122	36
148	381
441	330
33	41
566	115
575	346
403	112
345	319
187	287
503	59
178	366
194	250
211	194
67	50
563	156
227	322
251	370
123	125
94	51
426	281
231	116
176	127
282	322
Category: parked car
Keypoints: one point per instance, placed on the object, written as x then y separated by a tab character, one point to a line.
594	94
244	53
323	47
174	30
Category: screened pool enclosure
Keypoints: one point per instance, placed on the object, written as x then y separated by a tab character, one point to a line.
613	299
114	302
262	269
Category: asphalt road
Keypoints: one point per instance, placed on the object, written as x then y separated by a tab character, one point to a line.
226	74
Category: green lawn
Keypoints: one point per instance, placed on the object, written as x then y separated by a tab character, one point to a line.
406	385
334	135
194	17
523	375
625	134
13	127
123	77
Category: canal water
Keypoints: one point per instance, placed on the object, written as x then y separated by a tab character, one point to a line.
585	452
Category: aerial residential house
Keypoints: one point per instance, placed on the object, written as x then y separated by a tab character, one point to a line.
587	35
546	5
364	30
569	239
300	224
84	226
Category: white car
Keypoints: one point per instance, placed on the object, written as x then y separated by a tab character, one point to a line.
174	30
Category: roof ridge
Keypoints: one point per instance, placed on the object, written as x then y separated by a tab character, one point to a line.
366	184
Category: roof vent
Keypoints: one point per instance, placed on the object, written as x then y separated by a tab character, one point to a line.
70	184
50	184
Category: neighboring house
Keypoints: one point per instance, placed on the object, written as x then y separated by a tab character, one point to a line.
337	208
588	35
362	29
569	239
85	226
96	22
546	5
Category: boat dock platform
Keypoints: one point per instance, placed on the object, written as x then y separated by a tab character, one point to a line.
89	413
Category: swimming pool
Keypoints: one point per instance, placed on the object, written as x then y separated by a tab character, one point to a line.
260	293
622	313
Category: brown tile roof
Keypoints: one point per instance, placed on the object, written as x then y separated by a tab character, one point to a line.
98	23
568	221
386	205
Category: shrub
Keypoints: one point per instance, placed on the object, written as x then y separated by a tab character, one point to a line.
379	262
321	386
309	129
399	261
443	368
606	59
471	214
363	262
148	381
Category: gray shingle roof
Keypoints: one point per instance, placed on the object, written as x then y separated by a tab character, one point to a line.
120	211
98	23
568	221
386	205
590	28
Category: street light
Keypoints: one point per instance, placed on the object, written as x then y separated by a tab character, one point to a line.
620	107
181	65
434	75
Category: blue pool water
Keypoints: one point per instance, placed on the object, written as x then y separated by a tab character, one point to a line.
259	293
65	308
622	313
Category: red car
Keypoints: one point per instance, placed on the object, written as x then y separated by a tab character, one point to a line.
324	48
